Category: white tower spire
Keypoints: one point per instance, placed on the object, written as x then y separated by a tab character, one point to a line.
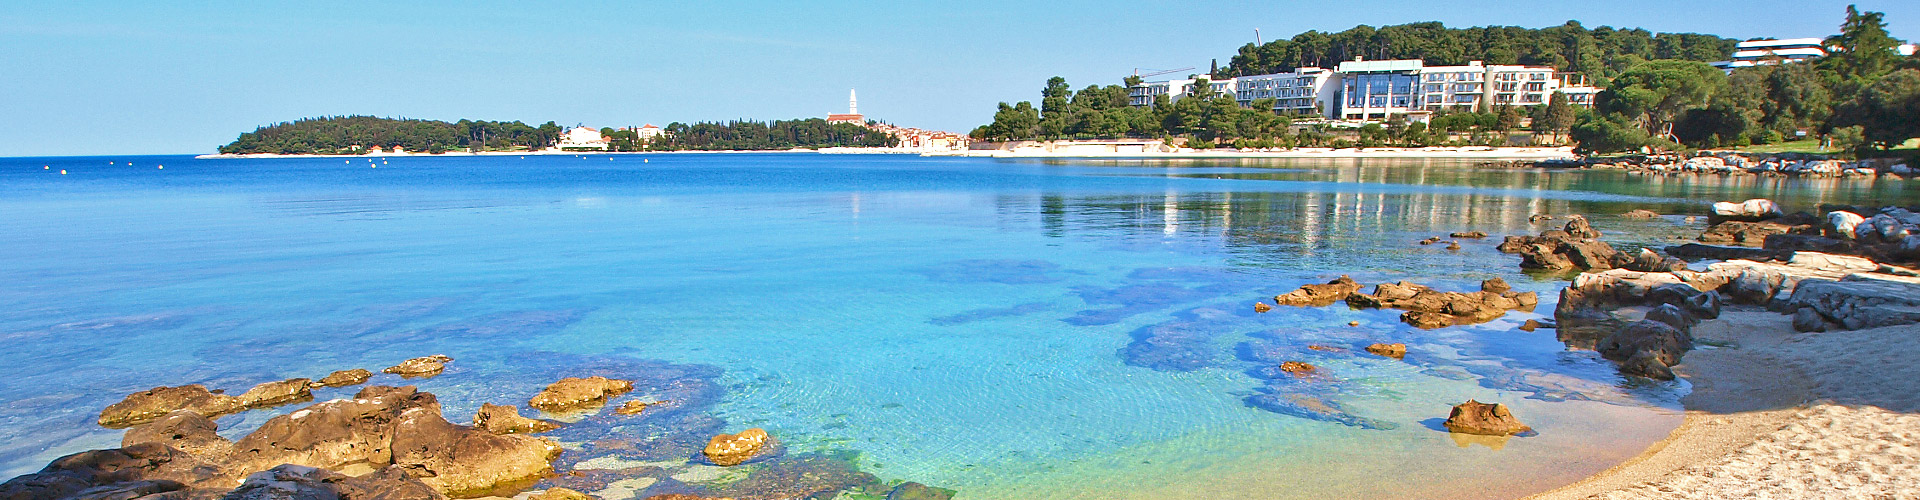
853	103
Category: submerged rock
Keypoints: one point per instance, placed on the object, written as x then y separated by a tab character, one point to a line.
344	378
277	393
916	491
147	405
1474	417
506	419
421	367
573	393
1303	405
1651	346
1261	307
804	476
636	407
1298	369
1641	214
1394	350
1469	235
734	449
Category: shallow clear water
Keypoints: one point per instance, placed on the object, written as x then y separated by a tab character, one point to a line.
967	323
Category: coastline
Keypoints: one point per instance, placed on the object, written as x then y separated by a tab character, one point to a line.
1459	153
1760	419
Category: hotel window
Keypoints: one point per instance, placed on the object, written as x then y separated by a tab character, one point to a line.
1536	86
1530	98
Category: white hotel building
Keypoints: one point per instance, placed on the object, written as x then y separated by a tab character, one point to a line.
1378	90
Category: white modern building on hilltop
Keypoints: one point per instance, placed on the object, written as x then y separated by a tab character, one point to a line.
1764	52
1378	90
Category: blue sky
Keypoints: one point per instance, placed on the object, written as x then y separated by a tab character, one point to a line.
97	77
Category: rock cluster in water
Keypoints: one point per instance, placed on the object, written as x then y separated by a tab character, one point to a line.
1474	417
1577	246
1425	307
1737	164
392	443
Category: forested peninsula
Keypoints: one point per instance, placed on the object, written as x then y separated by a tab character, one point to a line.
360	134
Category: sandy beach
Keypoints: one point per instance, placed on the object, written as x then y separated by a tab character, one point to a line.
1779	414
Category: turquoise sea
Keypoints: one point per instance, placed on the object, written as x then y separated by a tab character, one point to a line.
1009	329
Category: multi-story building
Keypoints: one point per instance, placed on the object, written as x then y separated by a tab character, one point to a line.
1764	52
1304	91
1379	90
1144	93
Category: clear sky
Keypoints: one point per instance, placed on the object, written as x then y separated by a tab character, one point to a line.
144	77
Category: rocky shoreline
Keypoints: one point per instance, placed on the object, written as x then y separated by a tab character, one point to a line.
393	443
1732	164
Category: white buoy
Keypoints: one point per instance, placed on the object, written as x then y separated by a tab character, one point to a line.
162	167
48	167
63	171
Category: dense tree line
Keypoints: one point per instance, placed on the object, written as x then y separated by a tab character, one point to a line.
778	134
1863	97
341	134
1599	53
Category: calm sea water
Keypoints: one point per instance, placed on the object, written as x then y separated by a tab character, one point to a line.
998	327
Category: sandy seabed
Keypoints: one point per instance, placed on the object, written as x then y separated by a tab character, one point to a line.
1784	415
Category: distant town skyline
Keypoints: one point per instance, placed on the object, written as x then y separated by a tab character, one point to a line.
149	78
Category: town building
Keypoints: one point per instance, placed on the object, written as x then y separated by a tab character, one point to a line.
579	138
1364	90
649	132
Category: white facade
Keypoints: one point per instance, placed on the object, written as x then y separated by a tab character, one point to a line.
1762	52
649	132
582	138
1377	90
1305	91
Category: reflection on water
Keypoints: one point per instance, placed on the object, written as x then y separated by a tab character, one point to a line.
1011	329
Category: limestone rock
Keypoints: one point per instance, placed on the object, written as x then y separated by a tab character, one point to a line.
1841	224
1474	235
1646	364
1861	301
1394	350
734	449
1666	343
1703	305
295	482
1882	228
1808	320
1427	320
147	405
334	433
1578	228
277	393
1672	316
184	430
464	461
143	468
1495	285
421	367
1474	417
573	393
1751	234
1260	307
1319	295
505	419
344	378
1755	286
1752	210
1641	214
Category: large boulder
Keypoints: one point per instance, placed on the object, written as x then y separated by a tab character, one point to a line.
1673	316
1750	210
1578	228
1755	285
463	461
1647	261
277	393
1474	417
1395	350
1703	305
1882	228
505	419
295	482
573	393
184	430
1841	224
143	406
1860	301
332	434
1319	295
735	449
143	468
1752	234
1658	343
